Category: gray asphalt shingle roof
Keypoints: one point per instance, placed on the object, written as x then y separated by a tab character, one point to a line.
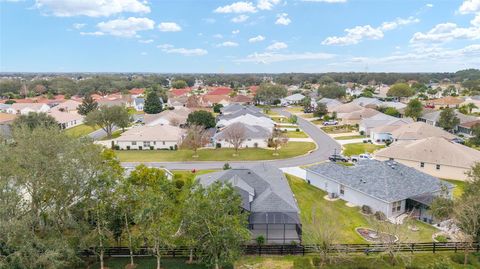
272	192
388	180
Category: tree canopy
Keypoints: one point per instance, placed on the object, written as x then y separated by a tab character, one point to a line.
269	93
34	120
448	119
88	105
107	117
201	117
414	109
152	103
400	90
332	91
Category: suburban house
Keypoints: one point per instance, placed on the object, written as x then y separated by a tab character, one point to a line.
466	128
255	136
25	108
180	92
346	108
66	120
367	102
136	92
4	107
396	105
385	186
432	118
473	100
353	91
138	103
70	106
380	119
220	91
267	197
447	101
242	99
180	101
330	103
175	117
435	156
292	99
356	116
209	100
150	137
247	119
232	108
419	130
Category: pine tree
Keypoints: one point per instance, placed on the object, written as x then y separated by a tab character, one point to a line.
152	103
87	106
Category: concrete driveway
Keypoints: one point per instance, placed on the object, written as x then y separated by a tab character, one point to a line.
325	147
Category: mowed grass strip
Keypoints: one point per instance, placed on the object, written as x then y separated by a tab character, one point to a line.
295	134
80	130
341	219
292	149
359	148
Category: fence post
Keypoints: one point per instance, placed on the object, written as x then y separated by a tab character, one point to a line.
259	250
478	246
413	247
173	253
303	250
281	250
455	247
434	244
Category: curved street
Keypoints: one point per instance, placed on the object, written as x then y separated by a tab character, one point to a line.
325	147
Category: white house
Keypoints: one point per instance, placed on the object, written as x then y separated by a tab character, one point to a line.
366	101
388	187
366	125
138	103
292	99
70	106
25	108
248	119
150	137
66	120
255	136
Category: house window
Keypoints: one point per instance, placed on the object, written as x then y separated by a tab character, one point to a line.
438	167
134	143
163	142
391	159
146	143
422	165
396	206
342	189
154	142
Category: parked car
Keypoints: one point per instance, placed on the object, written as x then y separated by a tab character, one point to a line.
458	140
338	157
330	122
361	157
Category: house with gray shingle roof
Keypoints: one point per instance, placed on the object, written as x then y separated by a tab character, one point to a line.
386	186
266	195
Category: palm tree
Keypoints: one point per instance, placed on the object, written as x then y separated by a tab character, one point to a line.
470	107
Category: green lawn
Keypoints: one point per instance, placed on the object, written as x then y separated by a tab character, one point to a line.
459	187
292	149
359	148
347	137
295	134
280	119
340	218
295	109
80	130
338	129
147	263
317	122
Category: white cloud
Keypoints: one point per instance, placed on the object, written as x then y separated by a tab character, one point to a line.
269	57
469	6
476	21
170	49
326	1
237	7
356	34
91	8
235	32
97	33
219	36
169	27
145	41
267	4
78	26
240	18
429	5
126	27
277	46
283	19
228	44
143	53
258	38
444	32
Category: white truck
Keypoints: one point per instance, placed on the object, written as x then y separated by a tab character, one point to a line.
360	157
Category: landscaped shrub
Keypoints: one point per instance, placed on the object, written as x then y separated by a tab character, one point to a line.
151	147
255	145
218	145
140	147
460	258
441	238
260	240
362	132
380	216
366	210
171	147
128	147
226	166
302	263
297	130
179	183
116	147
175	147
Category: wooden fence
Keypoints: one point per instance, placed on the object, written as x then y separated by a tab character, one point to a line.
432	247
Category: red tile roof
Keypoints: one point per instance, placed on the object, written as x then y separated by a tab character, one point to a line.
253	88
180	92
136	91
220	91
242	99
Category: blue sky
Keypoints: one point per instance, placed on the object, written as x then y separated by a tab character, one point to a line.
209	36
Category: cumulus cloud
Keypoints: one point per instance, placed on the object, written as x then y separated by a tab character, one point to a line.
270	57
169	27
277	46
126	27
96	33
267	4
429	5
237	7
91	8
228	44
145	41
170	49
257	38
469	6
326	1
240	18
235	32
358	33
444	32
283	19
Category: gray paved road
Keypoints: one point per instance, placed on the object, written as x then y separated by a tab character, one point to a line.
99	134
325	147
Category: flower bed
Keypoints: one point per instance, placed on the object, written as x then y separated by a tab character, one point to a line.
372	236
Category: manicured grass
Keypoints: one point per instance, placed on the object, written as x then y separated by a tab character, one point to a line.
356	261
295	109
459	187
189	176
280	119
348	137
338	129
148	262
295	134
80	130
359	148
292	149
342	219
317	122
